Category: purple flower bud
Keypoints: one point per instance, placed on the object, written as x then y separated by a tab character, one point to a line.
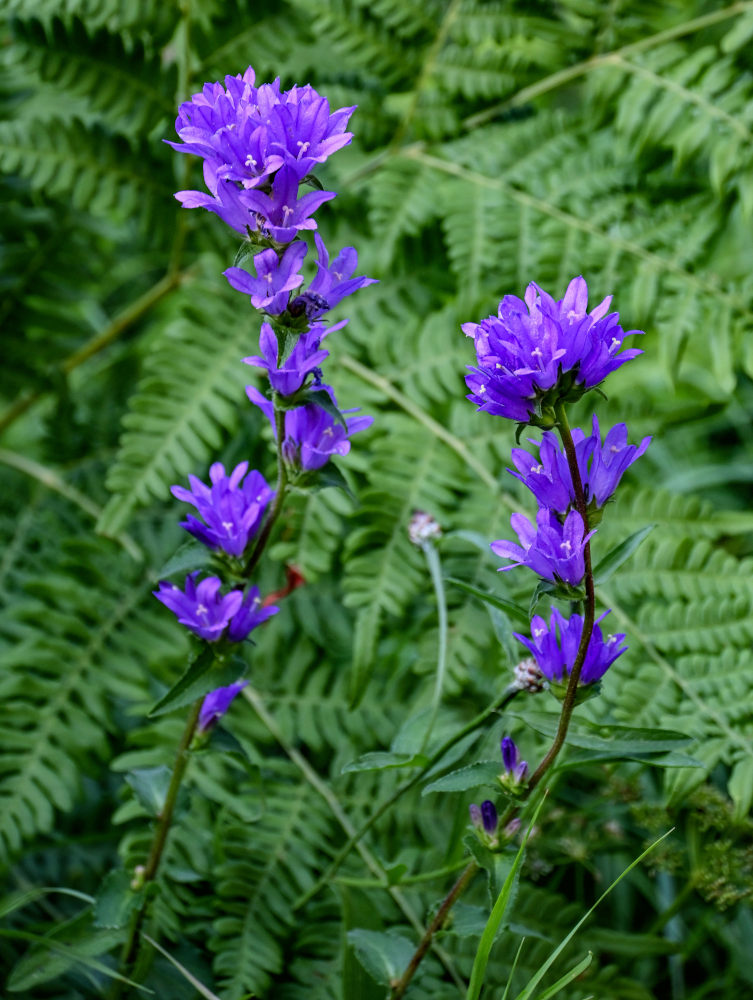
516	768
476	817
489	817
216	703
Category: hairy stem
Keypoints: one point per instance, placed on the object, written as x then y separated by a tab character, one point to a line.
131	948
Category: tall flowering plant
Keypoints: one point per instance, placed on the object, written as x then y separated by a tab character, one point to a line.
533	358
260	146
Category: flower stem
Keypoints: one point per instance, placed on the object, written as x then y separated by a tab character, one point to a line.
281	489
568	703
131	948
399	987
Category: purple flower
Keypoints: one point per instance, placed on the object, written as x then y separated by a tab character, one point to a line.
515	767
250	615
283	212
551	549
485	818
555	653
312	435
276	277
200	608
231	509
216	703
601	466
539	350
331	284
305	357
226	201
304	131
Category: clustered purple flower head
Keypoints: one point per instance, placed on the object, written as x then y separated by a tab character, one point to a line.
555	647
538	350
216	704
601	466
255	137
312	434
231	508
201	608
552	549
515	768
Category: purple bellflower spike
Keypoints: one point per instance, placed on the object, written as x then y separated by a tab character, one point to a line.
555	647
312	435
200	607
276	276
551	549
216	704
515	768
231	508
283	212
305	357
331	284
601	467
539	350
250	615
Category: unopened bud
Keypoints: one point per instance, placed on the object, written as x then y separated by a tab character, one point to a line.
423	528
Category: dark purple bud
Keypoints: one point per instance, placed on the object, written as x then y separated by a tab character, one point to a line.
310	303
489	817
509	753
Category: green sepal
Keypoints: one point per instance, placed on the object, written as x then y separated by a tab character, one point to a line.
244	251
116	900
311	397
583	692
501	603
557	591
313	181
543	588
211	669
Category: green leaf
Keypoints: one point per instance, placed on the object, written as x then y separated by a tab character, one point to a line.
116	900
207	672
543	587
329	476
383	954
501	603
620	554
478	775
150	786
190	556
568	977
17	900
383	760
495	864
607	737
320	398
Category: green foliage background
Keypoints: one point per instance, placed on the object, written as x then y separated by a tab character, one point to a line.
496	143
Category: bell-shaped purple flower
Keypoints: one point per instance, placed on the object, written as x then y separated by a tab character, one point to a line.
515	768
250	615
601	466
282	214
539	350
305	357
200	607
312	434
304	131
276	276
231	508
331	284
216	704
555	647
551	549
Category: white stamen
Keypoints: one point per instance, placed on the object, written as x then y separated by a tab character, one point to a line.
268	277
537	352
303	146
201	610
336	274
286	211
539	631
227	525
614	345
538	469
482	388
566	546
250	161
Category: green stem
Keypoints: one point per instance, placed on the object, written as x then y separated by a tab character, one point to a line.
507	695
282	485
435	570
131	948
568	703
568	706
399	988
